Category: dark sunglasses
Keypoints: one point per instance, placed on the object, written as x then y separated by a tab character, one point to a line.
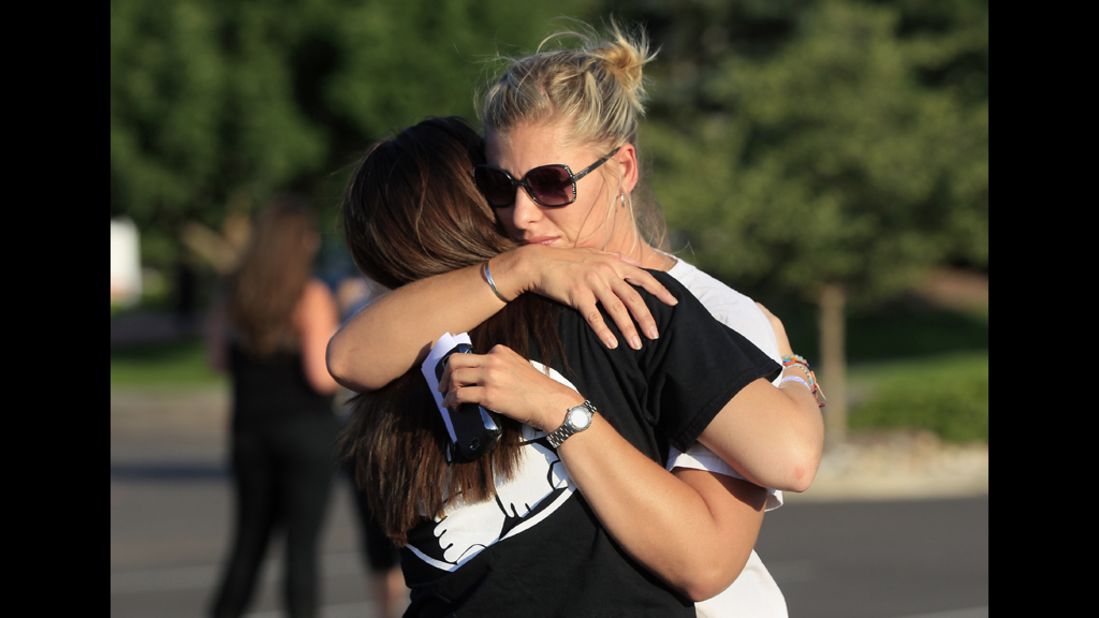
551	185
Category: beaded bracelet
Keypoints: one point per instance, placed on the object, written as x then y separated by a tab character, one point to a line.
486	274
794	359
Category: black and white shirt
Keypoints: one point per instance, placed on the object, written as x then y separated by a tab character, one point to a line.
537	549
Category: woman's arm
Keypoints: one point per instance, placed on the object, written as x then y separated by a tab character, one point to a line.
389	337
694	529
773	436
747	434
316	318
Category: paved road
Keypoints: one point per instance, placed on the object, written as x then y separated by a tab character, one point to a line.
170	506
880	559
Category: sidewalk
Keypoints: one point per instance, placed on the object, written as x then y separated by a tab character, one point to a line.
898	466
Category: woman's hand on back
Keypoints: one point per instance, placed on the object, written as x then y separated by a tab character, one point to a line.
581	277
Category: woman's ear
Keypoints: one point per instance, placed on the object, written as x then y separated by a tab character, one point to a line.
626	157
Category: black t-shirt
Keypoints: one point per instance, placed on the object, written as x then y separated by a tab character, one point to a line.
537	549
271	387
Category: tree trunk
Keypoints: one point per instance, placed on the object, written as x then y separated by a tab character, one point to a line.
833	367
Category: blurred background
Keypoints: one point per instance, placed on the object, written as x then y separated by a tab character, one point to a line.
828	158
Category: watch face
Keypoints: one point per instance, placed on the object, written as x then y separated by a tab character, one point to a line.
579	418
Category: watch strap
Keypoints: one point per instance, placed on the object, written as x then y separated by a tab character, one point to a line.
562	433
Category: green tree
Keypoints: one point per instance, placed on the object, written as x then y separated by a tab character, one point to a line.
947	44
202	114
215	106
167	85
830	150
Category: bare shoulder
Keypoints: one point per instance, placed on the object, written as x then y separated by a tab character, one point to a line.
317	289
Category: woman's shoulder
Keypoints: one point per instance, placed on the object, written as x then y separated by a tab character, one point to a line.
701	284
688	309
729	306
705	312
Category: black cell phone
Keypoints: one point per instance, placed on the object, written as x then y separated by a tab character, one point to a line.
475	429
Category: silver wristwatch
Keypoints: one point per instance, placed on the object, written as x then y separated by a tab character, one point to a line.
577	419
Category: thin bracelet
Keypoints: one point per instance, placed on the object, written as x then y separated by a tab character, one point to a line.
795	379
814	390
814	386
486	274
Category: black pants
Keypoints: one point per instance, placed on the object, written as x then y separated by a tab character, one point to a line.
283	472
381	554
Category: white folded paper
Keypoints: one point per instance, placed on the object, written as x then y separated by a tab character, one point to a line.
445	344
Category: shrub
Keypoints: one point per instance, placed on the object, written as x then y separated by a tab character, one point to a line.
946	396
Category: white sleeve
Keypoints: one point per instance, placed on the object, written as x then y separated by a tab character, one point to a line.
699	457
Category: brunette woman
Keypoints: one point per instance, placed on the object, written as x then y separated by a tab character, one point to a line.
269	334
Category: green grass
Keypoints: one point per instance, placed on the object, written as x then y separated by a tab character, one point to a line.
947	395
181	363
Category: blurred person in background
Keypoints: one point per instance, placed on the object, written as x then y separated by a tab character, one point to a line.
380	555
269	330
562	168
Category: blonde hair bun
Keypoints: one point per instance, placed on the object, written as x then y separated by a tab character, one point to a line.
596	86
625	58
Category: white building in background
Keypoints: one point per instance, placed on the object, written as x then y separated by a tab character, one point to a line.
125	263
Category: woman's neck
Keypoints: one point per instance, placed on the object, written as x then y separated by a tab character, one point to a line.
649	257
626	240
656	259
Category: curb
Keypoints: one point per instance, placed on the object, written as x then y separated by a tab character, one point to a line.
898	466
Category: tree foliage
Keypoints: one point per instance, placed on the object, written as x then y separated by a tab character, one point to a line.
215	106
798	141
827	142
833	149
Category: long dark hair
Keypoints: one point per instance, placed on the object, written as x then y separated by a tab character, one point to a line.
410	211
265	287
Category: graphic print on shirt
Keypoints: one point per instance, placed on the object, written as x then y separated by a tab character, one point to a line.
538	487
